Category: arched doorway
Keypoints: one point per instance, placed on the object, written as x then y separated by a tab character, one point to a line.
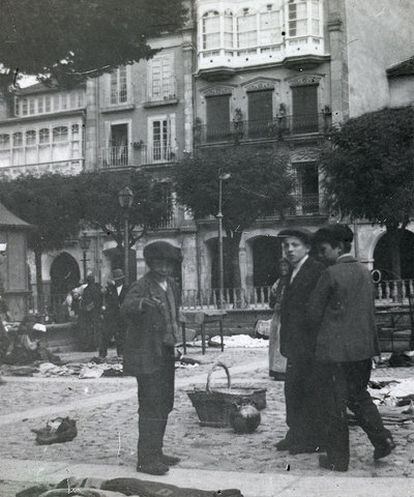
64	274
267	251
382	256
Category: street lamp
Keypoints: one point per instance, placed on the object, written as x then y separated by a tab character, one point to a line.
84	243
125	199
222	177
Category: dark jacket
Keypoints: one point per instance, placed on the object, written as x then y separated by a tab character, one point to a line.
342	308
297	337
145	326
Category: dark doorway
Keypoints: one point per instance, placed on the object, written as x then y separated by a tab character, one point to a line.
218	118
119	145
260	113
305	109
64	274
382	256
267	251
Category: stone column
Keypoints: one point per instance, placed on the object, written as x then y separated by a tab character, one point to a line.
187	47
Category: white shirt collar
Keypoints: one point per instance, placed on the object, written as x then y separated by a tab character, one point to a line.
298	266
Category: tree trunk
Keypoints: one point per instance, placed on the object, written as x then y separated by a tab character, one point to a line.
39	282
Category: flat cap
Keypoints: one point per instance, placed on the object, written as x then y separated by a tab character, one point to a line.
301	233
118	274
334	232
162	250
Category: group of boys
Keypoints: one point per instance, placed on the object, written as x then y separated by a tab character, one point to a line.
328	335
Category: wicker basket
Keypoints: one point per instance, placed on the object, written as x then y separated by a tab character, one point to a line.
214	406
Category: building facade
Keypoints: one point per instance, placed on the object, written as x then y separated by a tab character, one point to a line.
276	73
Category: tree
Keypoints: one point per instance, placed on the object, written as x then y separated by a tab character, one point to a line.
73	40
49	203
369	172
99	207
260	185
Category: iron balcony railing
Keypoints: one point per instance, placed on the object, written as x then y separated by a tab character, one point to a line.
394	292
129	156
273	129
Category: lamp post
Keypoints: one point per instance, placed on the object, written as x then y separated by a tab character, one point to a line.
222	177
125	199
84	243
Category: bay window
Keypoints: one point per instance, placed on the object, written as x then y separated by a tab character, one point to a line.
211	30
246	29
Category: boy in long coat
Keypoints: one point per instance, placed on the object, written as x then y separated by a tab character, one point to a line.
151	310
342	309
297	343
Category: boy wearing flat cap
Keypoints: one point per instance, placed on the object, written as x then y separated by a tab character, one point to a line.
342	309
151	309
297	341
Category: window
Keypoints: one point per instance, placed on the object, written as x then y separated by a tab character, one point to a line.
162	85
48	103
298	18
218	117
260	113
307	188
24	107
118	86
211	30
4	141
40	102
161	140
60	134
17	139
270	26
228	29
315	18
305	109
246	29
31	105
30	137
44	136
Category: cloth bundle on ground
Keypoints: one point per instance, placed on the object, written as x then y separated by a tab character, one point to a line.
119	487
57	430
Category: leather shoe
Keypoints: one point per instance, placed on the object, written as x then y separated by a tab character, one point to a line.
325	463
283	444
384	449
153	468
169	460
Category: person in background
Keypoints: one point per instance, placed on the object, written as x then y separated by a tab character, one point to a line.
341	308
113	322
90	314
297	343
151	309
277	363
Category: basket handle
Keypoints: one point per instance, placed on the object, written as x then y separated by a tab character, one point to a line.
214	368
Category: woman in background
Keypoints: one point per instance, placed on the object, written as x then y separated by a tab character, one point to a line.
277	363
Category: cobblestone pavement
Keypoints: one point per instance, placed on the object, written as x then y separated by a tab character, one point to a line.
106	413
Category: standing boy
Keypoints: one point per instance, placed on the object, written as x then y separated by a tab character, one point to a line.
342	309
151	310
297	343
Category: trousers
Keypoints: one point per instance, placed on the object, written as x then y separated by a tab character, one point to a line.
344	385
155	402
302	411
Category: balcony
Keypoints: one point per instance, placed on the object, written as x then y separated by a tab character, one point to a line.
306	205
128	156
275	129
65	167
